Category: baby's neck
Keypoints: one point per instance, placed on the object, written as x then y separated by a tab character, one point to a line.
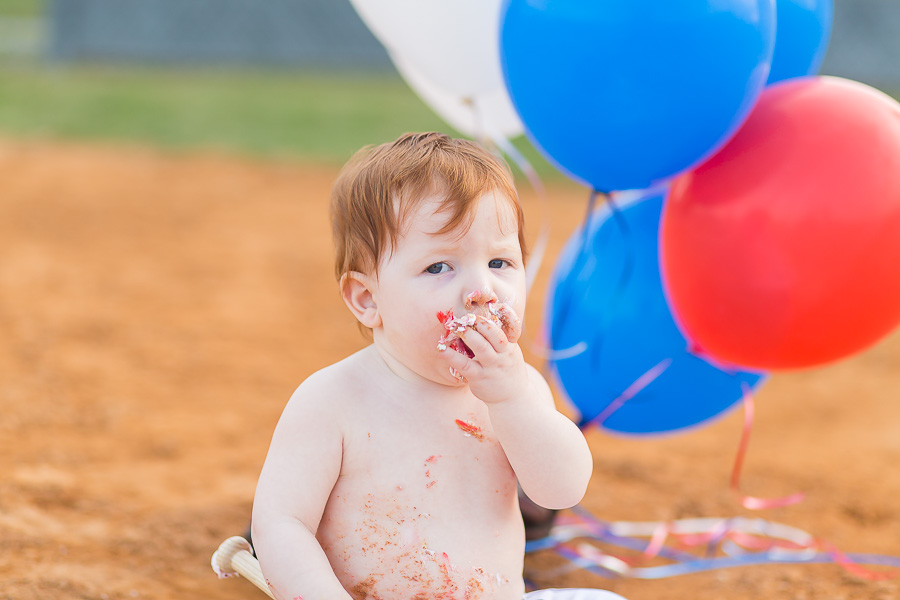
388	370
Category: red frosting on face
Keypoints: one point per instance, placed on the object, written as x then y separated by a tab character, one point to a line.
500	314
445	317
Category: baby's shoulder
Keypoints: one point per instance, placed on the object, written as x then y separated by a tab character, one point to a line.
334	387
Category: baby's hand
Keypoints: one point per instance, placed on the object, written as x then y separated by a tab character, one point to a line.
496	370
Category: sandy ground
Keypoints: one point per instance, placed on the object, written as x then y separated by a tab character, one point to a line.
156	312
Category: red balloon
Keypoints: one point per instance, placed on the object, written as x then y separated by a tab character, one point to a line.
783	249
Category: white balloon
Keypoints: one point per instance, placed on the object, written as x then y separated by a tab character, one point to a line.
454	43
481	115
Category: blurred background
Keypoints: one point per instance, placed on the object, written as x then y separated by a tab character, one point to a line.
166	282
191	73
300	78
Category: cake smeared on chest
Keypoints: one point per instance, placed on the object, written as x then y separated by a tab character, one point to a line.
470	429
407	565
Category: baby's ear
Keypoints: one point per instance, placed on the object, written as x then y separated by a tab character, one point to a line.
356	289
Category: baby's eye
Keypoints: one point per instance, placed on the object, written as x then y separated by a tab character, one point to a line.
497	263
437	268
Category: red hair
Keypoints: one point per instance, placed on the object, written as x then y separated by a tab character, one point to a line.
381	185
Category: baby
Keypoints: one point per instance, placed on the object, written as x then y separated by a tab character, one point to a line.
392	474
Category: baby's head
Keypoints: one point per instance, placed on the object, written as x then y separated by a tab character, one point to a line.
381	186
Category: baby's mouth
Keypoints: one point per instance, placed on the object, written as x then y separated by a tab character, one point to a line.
452	328
499	313
460	346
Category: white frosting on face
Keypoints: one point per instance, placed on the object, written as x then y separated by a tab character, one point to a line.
482	297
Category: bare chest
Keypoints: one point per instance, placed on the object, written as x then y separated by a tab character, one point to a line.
425	506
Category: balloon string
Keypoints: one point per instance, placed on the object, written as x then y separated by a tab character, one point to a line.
588	217
588	525
543	350
772	542
853	566
751	502
630	392
624	277
538	250
564	295
657	541
582	255
480	124
589	558
696	350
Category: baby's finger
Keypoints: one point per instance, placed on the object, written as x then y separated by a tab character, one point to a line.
509	321
491	333
478	341
460	364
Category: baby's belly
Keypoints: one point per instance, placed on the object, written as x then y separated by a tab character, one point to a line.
415	547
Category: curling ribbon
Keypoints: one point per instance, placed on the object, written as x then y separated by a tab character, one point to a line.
631	391
750	502
784	545
779	544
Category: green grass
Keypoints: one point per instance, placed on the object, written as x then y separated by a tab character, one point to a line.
21	8
280	113
324	117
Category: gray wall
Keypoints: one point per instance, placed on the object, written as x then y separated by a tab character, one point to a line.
865	41
317	33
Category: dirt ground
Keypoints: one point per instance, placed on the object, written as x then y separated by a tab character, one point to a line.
157	310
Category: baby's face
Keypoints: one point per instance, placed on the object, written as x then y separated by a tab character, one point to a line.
427	274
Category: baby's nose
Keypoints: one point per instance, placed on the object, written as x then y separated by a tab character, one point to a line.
480	297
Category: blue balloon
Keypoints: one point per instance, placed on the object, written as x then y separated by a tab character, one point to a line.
610	324
621	94
801	37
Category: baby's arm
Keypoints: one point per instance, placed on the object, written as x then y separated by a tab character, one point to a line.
300	470
546	450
